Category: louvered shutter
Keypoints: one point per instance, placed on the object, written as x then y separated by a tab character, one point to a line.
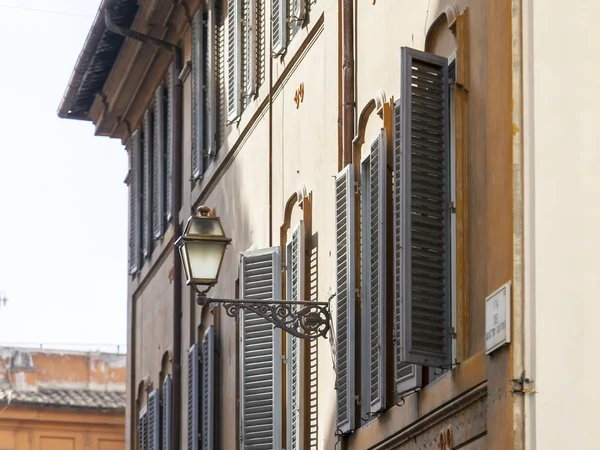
260	354
143	430
193	405
296	16
250	50
345	314
158	194
374	276
208	386
135	206
170	140
234	58
407	377
197	95
295	291
148	184
279	37
167	413
154	420
424	206
211	80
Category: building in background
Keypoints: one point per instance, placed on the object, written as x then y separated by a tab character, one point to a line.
61	400
405	159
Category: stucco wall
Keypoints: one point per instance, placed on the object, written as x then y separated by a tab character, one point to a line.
562	106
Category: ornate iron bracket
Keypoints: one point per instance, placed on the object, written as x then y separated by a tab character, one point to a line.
300	318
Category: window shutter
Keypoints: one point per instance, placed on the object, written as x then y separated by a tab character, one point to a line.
208	377
154	420
193	407
170	140
373	297
158	194
260	354
279	37
234	58
211	79
295	291
296	16
167	413
135	207
147	222
407	377
250	50
143	430
345	314
197	95
424	206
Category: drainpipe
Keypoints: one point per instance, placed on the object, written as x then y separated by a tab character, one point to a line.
177	157
348	79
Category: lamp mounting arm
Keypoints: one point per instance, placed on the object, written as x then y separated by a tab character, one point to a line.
300	318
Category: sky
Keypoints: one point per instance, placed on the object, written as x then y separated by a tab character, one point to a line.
63	203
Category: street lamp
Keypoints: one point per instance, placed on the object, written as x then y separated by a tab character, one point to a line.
202	248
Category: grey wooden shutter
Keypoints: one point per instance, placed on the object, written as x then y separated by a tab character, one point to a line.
143	430
424	205
234	58
208	387
407	377
297	11
295	291
148	185
170	140
249	50
154	420
158	169
279	34
212	91
260	354
374	276
135	204
197	95
345	311
193	406
167	413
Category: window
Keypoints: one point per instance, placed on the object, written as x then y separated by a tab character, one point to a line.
167	413
193	399
154	420
422	198
260	354
143	430
134	180
147	186
158	165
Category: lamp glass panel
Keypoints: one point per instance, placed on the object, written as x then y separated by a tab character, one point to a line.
204	259
185	262
204	227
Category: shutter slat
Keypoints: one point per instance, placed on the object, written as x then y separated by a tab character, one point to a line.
212	92
422	207
208	377
148	185
170	132
167	408
158	194
234	58
198	96
193	406
279	33
345	315
407	377
135	203
143	430
260	354
154	420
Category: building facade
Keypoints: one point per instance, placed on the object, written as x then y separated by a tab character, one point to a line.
61	400
378	155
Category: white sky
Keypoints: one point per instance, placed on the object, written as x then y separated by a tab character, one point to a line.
63	203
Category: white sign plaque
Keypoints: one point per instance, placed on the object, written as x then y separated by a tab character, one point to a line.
497	319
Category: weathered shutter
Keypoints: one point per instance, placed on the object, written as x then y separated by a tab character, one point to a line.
167	413
208	386
234	58
170	140
211	79
154	420
279	13
250	50
374	276
296	16
260	354
197	95
295	291
148	185
193	406
345	313
143	430
424	206
135	204
407	377
158	169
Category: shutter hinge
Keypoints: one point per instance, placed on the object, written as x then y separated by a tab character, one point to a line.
452	207
356	187
453	332
522	385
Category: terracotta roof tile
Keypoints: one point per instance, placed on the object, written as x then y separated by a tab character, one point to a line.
86	399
